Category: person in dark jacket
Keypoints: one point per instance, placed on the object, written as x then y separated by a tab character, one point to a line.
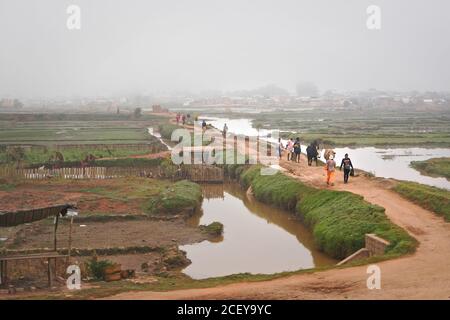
348	167
297	150
312	153
204	125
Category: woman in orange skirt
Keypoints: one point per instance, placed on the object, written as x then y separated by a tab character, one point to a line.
330	168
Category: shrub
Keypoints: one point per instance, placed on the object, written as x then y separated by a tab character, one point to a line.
234	171
166	130
213	229
96	268
180	196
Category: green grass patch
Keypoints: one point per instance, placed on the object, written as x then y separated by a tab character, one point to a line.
278	189
166	133
234	171
340	220
214	229
166	130
182	195
430	198
433	167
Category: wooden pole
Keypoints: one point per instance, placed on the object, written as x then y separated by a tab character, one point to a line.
1	272
70	237
5	272
49	271
54	235
55	241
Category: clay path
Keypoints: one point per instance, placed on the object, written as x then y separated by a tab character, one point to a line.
424	275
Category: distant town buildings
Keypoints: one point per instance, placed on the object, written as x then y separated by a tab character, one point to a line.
10	104
156	108
270	97
364	99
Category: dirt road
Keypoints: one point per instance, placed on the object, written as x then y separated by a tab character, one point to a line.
424	275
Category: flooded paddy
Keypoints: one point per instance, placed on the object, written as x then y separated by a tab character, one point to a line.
382	162
395	163
257	238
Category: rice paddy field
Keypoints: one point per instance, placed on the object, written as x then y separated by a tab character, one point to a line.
35	138
74	128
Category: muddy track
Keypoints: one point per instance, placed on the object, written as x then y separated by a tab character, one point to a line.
423	275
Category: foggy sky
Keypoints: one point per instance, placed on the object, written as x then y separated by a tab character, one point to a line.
149	46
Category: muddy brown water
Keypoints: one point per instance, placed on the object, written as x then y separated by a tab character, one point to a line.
257	238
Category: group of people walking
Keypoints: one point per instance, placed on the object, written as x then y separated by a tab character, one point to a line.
224	130
293	148
294	151
182	118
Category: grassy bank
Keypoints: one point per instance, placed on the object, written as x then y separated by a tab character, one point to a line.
433	167
430	198
339	220
166	133
182	195
166	130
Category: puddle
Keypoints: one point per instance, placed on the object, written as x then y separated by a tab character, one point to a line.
257	238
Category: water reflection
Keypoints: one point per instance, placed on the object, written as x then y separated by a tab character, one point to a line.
257	238
395	163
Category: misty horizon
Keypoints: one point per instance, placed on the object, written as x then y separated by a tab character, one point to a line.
141	47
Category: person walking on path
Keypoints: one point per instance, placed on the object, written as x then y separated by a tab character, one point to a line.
312	153
290	148
225	130
348	167
297	150
280	148
204	125
330	168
